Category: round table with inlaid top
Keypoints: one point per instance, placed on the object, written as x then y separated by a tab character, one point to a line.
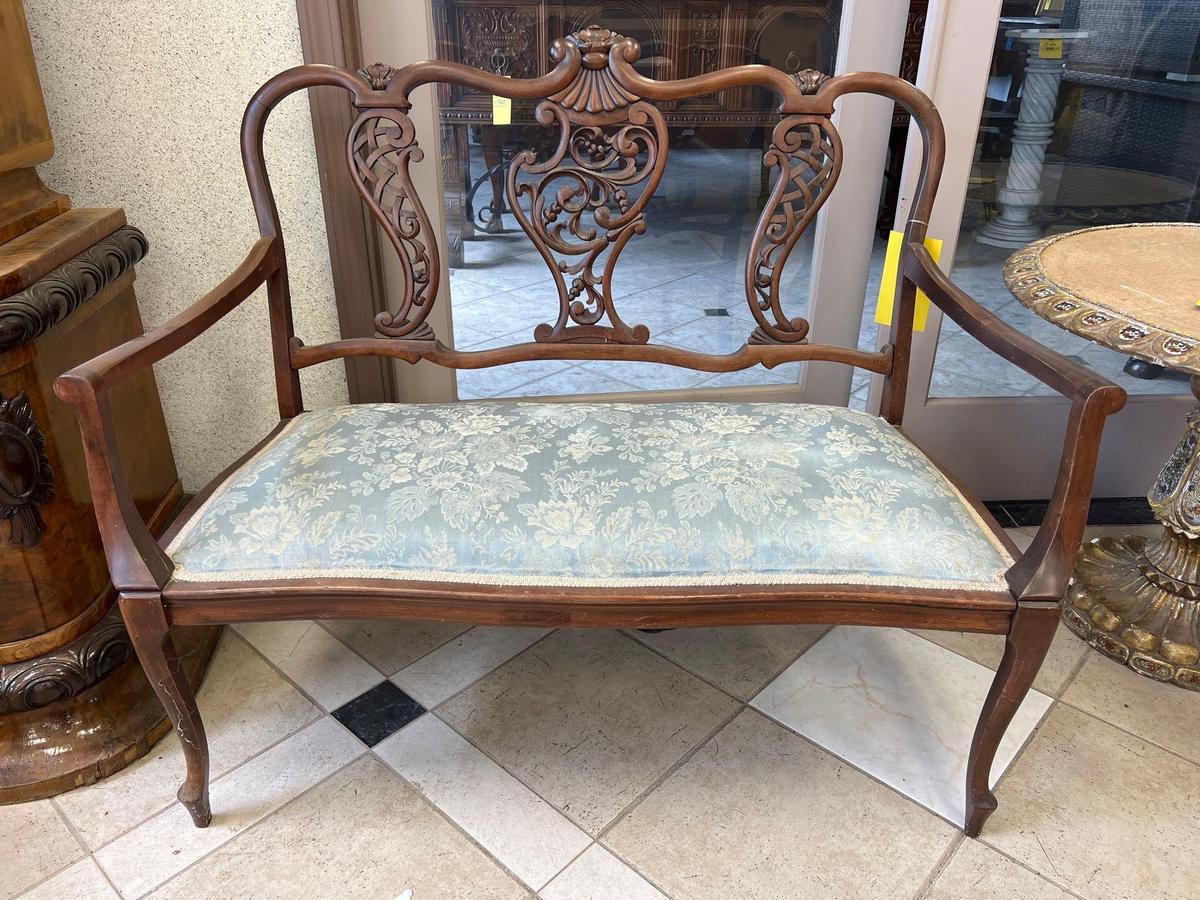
1134	288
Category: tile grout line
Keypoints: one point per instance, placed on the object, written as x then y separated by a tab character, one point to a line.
237	834
252	756
1133	734
671	770
411	662
1028	868
502	662
461	828
855	767
174	802
87	854
940	866
570	863
295	684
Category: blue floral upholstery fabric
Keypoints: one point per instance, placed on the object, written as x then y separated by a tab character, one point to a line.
592	495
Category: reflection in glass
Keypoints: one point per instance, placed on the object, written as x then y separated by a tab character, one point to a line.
683	278
1092	117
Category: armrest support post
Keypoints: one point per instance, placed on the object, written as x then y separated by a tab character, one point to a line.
1045	568
135	561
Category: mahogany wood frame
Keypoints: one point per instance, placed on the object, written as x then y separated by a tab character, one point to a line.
152	600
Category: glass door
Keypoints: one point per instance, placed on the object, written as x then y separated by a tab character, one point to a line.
1060	114
683	277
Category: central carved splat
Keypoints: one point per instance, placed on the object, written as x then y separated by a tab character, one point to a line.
579	209
584	201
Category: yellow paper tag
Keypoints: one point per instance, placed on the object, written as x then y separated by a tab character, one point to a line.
887	285
502	109
1050	48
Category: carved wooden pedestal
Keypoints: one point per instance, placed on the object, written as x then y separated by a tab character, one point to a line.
1138	600
74	704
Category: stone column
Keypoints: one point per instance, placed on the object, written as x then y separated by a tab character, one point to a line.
1021	194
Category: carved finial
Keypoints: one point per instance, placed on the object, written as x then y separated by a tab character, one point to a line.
810	80
377	75
594	89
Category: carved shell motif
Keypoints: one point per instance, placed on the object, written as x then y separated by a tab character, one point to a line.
809	80
594	89
26	479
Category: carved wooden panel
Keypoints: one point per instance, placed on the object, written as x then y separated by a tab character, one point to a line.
26	479
381	147
507	39
805	156
578	207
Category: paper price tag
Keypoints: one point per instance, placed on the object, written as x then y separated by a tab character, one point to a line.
1050	48
501	109
887	284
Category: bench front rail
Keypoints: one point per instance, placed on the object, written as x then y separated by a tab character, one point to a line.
581	205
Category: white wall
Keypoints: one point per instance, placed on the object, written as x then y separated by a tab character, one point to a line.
145	101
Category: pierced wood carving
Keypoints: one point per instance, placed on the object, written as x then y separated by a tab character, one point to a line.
381	146
26	479
587	199
806	157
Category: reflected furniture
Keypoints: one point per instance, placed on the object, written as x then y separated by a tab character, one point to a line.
1134	289
591	514
1021	193
679	38
74	703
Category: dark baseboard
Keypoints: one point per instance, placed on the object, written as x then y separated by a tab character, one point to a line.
1103	511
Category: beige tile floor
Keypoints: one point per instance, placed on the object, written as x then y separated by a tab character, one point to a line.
787	762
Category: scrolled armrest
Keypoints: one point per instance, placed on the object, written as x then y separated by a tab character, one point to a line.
135	560
121	361
1045	568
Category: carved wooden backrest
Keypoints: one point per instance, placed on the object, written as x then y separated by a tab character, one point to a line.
582	203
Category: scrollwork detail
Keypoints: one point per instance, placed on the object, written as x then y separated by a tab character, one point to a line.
26	478
381	147
805	154
67	671
32	312
580	210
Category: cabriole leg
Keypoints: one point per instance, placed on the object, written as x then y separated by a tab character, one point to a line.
151	638
1029	638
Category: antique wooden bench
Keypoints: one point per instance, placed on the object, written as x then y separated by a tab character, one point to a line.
590	514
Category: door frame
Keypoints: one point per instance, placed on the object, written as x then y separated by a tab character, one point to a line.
1003	448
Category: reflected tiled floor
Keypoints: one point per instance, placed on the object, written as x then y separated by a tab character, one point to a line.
757	762
684	279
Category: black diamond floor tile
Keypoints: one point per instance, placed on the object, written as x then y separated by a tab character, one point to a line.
378	713
716	312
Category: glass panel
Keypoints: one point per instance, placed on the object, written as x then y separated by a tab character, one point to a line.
1118	121
683	277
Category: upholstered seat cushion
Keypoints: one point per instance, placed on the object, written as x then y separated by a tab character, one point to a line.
591	495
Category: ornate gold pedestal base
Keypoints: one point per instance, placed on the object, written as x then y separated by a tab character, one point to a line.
1136	601
89	736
